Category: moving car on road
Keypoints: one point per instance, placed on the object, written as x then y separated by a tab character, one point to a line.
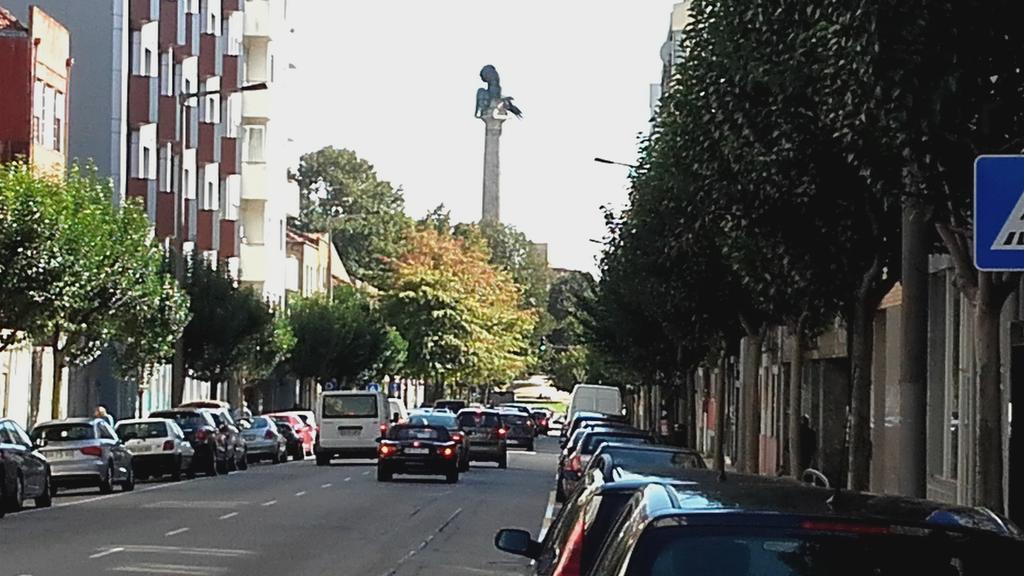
84	452
542	417
416	448
486	435
450	423
263	441
398	411
158	447
24	473
351	421
453	405
211	450
519	429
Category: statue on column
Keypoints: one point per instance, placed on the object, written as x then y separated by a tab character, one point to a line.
489	100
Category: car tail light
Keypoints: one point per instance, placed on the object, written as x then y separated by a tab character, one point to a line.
457	437
201	435
576	463
386	450
168	445
383	428
570	561
92	451
269	435
502	432
849	528
448	452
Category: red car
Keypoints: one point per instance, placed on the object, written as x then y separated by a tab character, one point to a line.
302	430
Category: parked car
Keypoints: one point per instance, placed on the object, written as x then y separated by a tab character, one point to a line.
453	405
211	449
308	418
415	448
486	435
238	457
303	430
451	423
293	442
351	421
84	452
615	458
24	472
575	458
592	418
158	447
263	441
519	429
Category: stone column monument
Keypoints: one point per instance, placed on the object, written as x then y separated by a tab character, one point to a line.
493	109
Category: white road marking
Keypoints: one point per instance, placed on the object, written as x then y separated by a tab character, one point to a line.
328	485
367	473
269	503
107	552
182	569
190	504
424	544
185	551
176	532
300	494
228	515
347	479
549	515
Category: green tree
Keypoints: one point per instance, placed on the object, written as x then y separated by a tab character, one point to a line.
342	193
231	330
510	250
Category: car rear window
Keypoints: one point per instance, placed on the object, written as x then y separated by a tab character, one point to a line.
654	461
142	430
260	422
591	442
417	433
63	433
454	405
514	419
444	420
350	406
479	419
188	421
674	551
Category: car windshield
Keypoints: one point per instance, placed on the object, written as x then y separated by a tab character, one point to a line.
350	406
417	433
593	441
479	420
142	430
694	552
63	433
446	420
653	461
188	421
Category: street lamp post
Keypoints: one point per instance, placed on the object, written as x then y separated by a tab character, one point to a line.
181	225
606	161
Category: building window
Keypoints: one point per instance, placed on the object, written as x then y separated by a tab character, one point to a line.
165	168
46	122
37	112
167	74
58	121
255	140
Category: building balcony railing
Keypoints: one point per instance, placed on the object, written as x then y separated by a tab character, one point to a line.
254	181
256	104
253	265
259	18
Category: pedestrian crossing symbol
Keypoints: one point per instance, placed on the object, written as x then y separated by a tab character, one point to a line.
999	213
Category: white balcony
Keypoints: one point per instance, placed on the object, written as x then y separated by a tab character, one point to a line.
252	266
262	18
255	184
256	104
290	199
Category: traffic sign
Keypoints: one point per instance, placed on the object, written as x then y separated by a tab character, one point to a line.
373	387
999	213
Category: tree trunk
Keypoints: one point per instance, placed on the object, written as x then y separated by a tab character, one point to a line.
178	373
861	335
36	385
687	435
751	405
796	397
913	448
989	490
56	401
720	416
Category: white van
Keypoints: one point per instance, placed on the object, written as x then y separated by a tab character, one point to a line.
594	398
350	423
398	411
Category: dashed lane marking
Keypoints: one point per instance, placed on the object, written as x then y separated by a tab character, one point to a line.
348	478
228	515
184	551
176	532
107	552
426	542
269	503
328	485
300	494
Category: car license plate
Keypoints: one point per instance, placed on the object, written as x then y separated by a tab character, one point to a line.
349	431
140	448
417	451
60	455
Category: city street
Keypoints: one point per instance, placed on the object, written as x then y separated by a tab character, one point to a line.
293	518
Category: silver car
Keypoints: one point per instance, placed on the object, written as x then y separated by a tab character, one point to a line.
263	440
84	452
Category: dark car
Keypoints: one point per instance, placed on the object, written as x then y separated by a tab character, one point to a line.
454	406
642	459
576	456
451	423
211	449
486	435
238	451
519	429
585	418
418	449
754	525
24	473
543	420
292	439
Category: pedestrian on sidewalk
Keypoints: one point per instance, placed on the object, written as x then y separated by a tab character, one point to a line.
103	414
808	443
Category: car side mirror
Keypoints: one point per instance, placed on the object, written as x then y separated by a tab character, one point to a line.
515	541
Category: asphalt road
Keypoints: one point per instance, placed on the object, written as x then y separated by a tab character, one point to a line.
288	519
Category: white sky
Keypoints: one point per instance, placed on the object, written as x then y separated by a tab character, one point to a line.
395	80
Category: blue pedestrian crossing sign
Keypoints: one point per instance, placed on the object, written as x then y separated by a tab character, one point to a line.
999	213
373	387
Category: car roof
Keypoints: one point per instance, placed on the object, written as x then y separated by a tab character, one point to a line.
705	491
609	446
143	421
76	420
480	411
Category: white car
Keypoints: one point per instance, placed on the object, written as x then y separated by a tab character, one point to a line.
351	421
158	447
